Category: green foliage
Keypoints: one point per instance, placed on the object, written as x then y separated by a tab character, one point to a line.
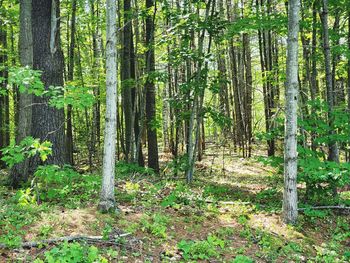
155	225
76	96
204	249
124	169
182	195
15	217
65	186
28	147
74	253
27	80
242	259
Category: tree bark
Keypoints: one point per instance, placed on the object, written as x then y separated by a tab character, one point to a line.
20	172
4	99
150	90
333	154
107	199
69	132
290	197
48	122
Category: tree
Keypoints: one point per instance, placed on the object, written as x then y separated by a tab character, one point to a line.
333	154
69	132
20	172
107	199
150	89
290	206
48	122
4	97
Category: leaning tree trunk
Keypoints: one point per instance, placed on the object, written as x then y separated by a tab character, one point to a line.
151	91
107	199
290	198
48	122
19	172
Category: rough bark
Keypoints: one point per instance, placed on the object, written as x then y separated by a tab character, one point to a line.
48	122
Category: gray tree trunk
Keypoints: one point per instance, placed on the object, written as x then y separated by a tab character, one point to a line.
290	197
19	172
107	199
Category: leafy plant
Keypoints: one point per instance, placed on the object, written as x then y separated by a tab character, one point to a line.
242	259
74	253
28	147
64	185
155	225
204	249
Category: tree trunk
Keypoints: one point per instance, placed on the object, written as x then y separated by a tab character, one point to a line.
69	132
48	122
107	199
150	90
333	154
290	198
4	99
127	82
20	173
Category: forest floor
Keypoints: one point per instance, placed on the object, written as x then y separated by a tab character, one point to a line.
231	213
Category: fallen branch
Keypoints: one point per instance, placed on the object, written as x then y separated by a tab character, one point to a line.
227	202
88	239
325	207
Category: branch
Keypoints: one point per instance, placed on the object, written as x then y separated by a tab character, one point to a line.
325	207
88	239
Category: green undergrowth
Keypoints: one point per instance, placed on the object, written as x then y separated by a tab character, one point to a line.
202	221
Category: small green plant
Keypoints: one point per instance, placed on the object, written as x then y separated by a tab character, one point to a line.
155	225
64	185
74	253
45	231
124	169
204	249
242	259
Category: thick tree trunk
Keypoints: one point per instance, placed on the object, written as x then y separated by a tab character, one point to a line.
290	198
150	90
48	122
107	199
20	172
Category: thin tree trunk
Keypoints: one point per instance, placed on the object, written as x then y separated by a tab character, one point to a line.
20	173
150	90
107	199
4	99
290	197
69	132
127	83
333	154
